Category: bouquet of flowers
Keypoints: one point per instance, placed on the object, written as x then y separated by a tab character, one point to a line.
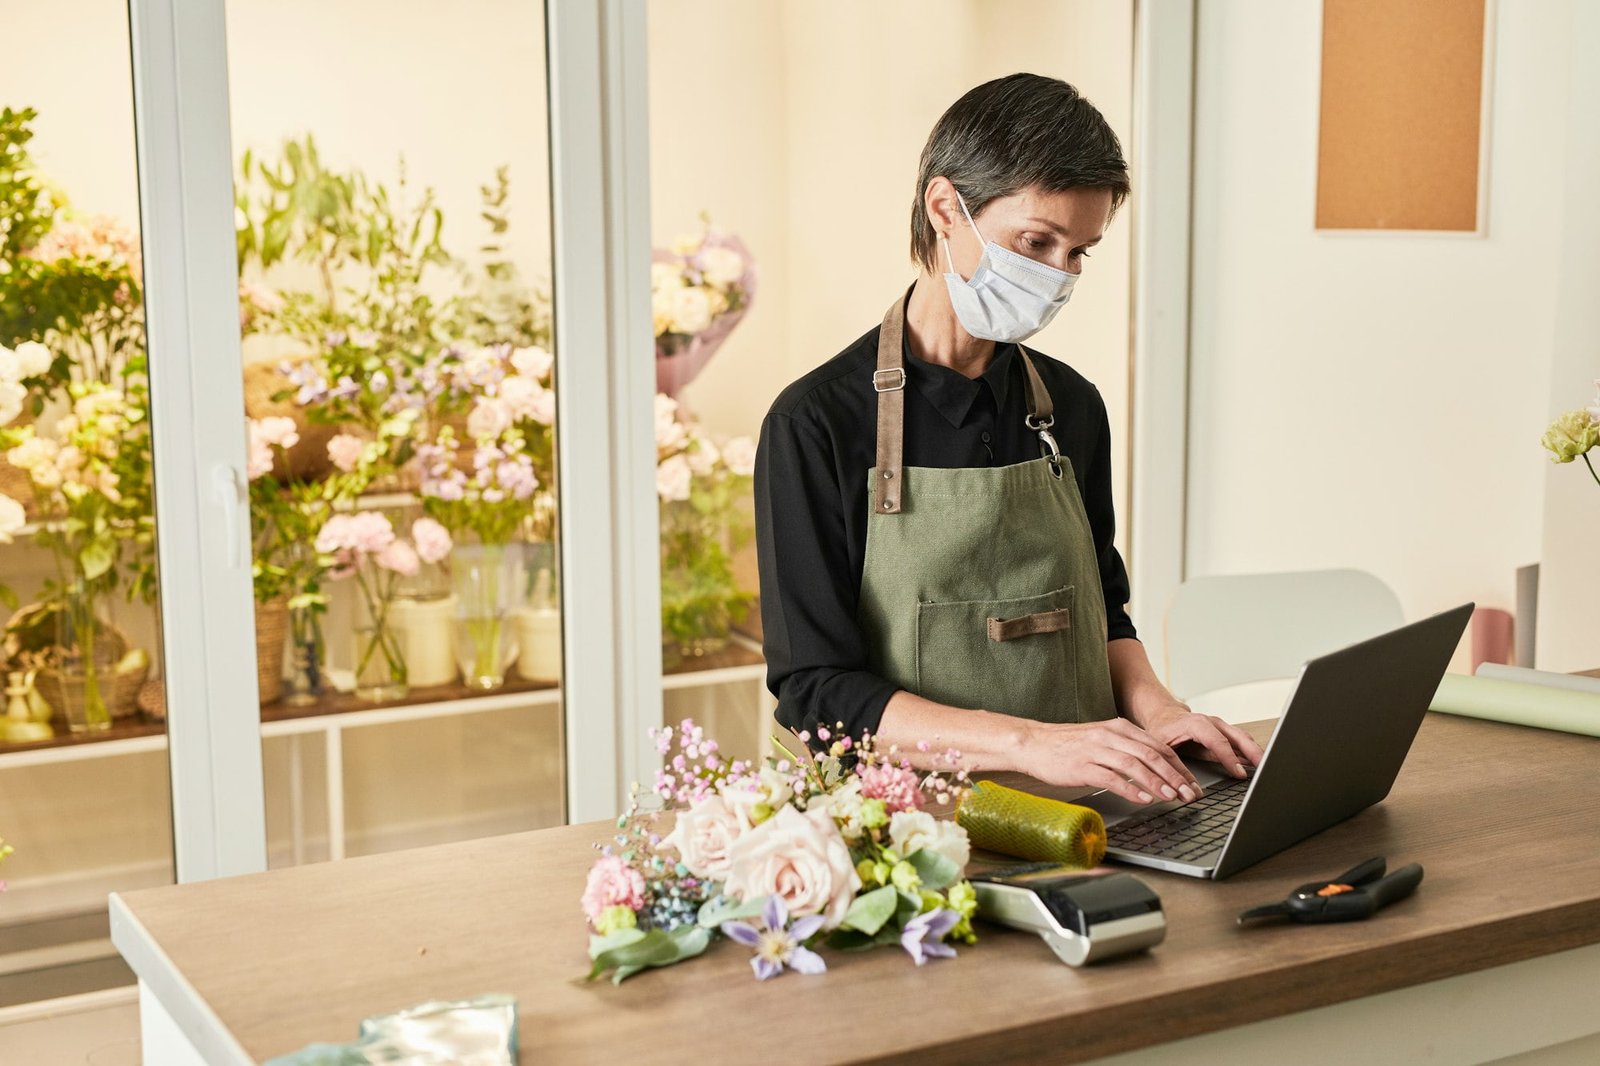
832	848
702	488
1575	434
700	289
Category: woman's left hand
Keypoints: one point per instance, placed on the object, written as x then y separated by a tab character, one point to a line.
1174	723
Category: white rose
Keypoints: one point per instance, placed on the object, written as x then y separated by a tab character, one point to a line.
670	433
740	455
31	453
691	311
843	805
802	859
34	359
543	407
704	834
665	276
673	478
532	362
722	266
12	397
489	419
703	457
10	365
914	831
776	788
12	518
517	393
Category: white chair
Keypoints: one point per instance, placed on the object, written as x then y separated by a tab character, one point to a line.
1235	642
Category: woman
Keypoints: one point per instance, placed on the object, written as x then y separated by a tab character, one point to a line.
933	504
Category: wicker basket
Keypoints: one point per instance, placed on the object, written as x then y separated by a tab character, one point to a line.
125	685
309	458
272	628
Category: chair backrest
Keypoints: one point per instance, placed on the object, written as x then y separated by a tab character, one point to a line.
1227	630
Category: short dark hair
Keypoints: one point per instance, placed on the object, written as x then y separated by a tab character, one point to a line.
1010	134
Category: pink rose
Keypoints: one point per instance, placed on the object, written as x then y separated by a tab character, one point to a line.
674	478
542	408
432	540
400	557
612	883
532	363
489	419
704	834
798	857
740	455
344	451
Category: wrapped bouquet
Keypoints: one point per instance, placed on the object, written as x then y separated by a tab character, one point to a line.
700	289
832	849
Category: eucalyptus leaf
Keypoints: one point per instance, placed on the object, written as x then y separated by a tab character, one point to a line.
713	912
870	910
937	871
96	558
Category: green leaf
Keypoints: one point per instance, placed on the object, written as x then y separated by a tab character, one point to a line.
713	912
628	951
96	558
937	871
870	910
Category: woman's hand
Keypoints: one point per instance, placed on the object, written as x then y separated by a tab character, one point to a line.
1174	723
1115	755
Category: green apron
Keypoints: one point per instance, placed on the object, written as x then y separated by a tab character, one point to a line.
981	585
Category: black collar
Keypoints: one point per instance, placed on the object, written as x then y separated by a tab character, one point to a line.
951	392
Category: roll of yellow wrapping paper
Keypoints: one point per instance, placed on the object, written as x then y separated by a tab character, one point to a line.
1032	827
1540	706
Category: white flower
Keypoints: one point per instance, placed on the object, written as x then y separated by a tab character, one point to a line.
673	478
12	397
691	311
665	276
543	407
32	453
722	266
705	833
740	455
914	831
670	433
532	362
775	789
843	804
345	450
33	359
800	858
489	419
703	457
517	393
12	518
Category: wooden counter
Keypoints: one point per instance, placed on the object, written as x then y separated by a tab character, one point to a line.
1506	821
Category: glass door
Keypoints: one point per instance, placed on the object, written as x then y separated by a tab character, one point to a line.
394	247
85	798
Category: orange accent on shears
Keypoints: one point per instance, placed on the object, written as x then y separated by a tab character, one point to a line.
1334	890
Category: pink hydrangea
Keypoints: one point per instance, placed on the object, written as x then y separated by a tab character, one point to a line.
897	786
344	451
400	557
366	532
612	883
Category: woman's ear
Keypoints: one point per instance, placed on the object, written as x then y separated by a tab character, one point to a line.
939	202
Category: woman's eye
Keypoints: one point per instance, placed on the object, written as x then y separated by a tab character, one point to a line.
1034	245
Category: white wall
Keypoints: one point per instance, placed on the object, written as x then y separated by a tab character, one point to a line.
1369	401
798	124
1569	625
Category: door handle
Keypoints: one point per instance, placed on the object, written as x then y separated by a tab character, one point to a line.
229	489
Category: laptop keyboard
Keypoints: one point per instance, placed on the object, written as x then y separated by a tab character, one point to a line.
1186	832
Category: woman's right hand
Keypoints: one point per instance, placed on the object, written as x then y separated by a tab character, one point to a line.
1115	755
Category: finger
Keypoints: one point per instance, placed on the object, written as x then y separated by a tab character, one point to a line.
1203	729
1145	770
1140	737
1165	762
1113	782
1243	742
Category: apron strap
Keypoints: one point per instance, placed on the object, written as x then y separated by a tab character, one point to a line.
889	381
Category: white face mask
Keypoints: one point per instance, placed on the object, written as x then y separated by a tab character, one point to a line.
1009	296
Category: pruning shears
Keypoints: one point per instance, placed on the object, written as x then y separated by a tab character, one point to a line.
1355	894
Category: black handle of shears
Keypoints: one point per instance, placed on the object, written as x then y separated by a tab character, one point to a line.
1396	886
1370	870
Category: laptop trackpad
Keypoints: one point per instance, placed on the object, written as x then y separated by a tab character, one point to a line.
1113	808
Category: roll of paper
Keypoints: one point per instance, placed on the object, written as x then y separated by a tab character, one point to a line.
1575	682
1519	703
1032	827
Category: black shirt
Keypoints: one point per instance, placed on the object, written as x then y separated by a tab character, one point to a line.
818	442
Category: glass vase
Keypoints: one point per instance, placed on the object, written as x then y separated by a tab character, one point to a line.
380	660
489	583
306	681
89	656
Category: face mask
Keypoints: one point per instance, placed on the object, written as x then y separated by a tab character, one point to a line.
1009	296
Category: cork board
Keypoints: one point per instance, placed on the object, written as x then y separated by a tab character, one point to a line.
1402	111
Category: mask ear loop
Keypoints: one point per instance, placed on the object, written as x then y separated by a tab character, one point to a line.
946	240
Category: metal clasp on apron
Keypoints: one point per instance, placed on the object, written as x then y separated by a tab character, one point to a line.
1047	442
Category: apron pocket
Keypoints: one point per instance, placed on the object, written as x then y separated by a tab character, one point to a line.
1012	656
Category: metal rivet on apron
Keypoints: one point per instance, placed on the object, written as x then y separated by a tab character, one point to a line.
887	474
888	504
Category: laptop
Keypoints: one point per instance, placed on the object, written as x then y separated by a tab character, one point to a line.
1336	751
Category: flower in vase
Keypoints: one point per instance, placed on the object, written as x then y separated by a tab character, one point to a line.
12	518
490	417
12	398
30	359
265	435
534	363
703	456
673	478
1571	436
362	533
432	540
1593	409
670	432
344	451
740	455
399	557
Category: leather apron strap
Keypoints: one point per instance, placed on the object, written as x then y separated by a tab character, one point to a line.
889	382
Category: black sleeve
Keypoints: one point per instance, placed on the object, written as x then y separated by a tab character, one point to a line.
816	655
1103	524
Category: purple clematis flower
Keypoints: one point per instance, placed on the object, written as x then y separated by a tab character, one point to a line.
923	936
779	944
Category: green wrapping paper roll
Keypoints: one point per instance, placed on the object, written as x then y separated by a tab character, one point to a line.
1540	706
1032	827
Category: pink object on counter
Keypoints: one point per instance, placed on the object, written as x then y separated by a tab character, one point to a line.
1492	631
